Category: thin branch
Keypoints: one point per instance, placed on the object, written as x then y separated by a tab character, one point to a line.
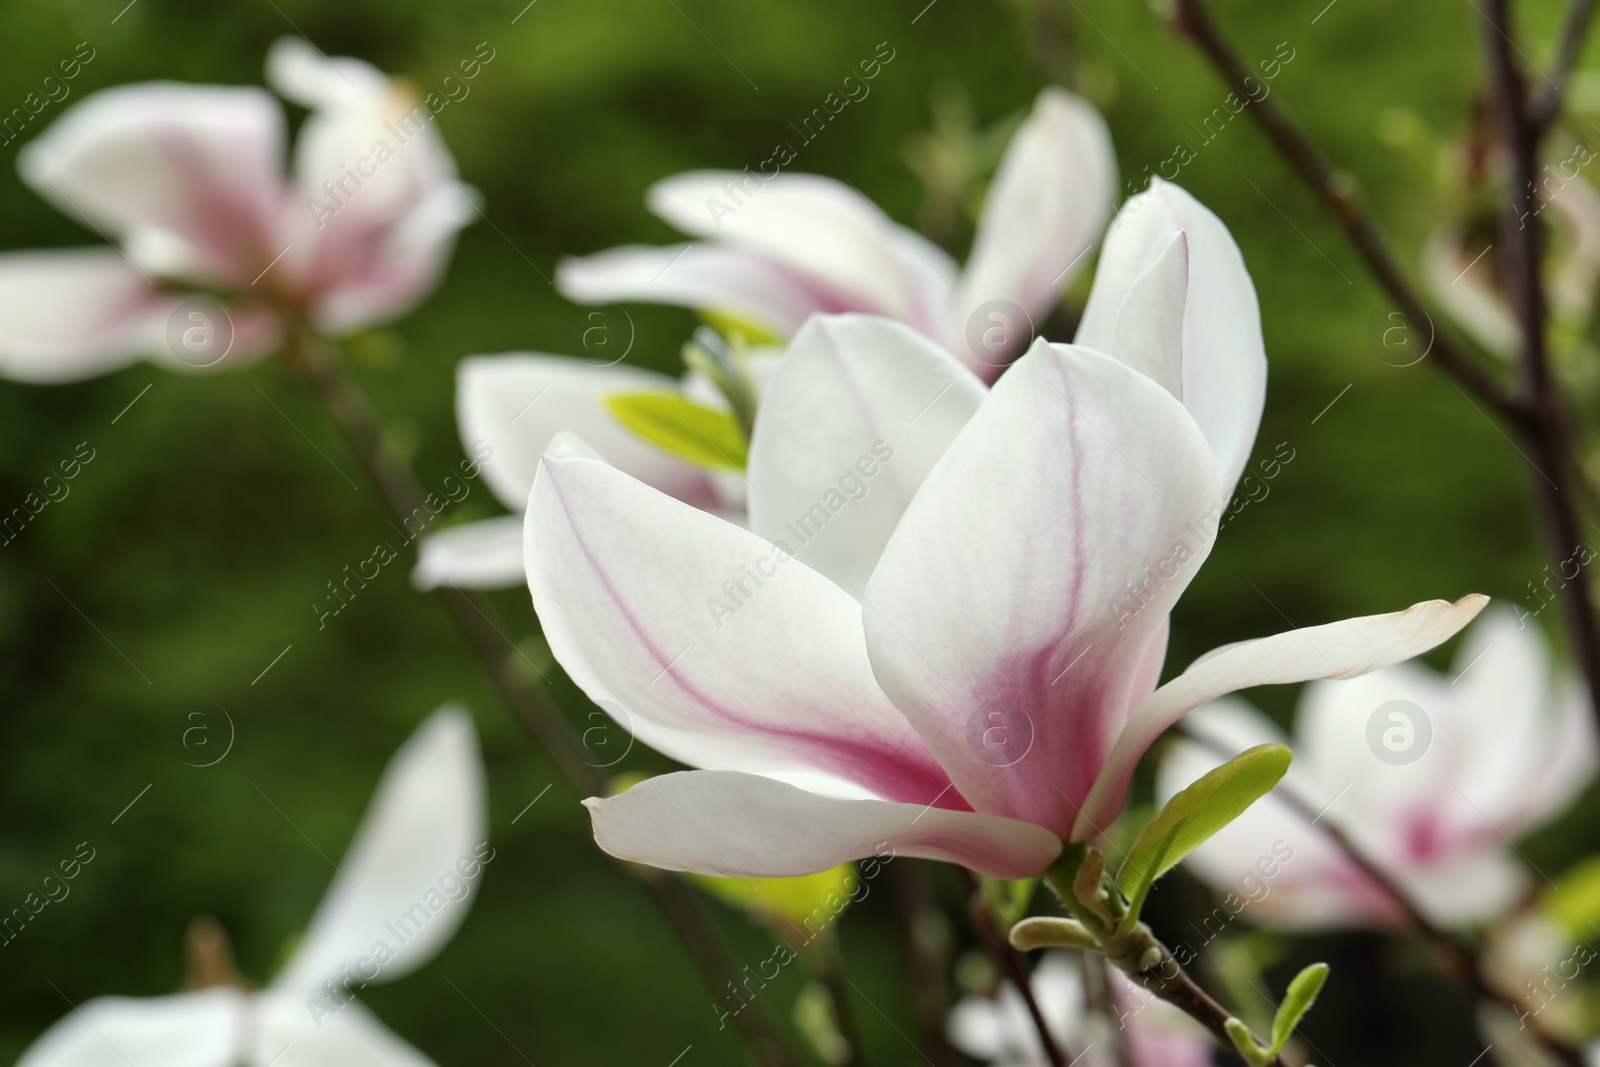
1012	964
1191	19
353	414
1462	959
1575	27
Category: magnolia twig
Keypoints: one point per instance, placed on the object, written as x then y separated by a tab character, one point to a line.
306	352
1535	411
1547	105
1012	964
1462	959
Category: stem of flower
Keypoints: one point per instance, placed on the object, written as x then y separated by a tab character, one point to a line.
1012	965
312	355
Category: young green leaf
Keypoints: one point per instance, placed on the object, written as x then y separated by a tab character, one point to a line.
1048	931
1296	1002
693	432
1249	1048
1202	809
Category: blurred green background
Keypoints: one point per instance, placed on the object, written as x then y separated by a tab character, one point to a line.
207	524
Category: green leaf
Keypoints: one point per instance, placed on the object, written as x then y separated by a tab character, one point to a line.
788	903
1575	900
1296	1002
1202	809
1046	931
693	432
1246	1043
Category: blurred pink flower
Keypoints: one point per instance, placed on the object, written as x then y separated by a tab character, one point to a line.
1432	777
943	629
188	181
778	249
427	817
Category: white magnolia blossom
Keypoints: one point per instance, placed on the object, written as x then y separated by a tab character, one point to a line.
189	182
999	1031
775	250
943	628
400	893
1431	776
519	403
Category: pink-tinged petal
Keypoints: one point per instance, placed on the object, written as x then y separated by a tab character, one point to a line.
1224	357
514	404
733	825
71	315
297	71
288	1034
705	276
475	555
1335	650
203	1029
710	643
1028	578
1149	333
819	228
428	815
851	424
1047	205
193	169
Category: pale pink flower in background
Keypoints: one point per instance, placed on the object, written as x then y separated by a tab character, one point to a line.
1505	745
418	842
776	250
517	403
189	182
999	1031
943	629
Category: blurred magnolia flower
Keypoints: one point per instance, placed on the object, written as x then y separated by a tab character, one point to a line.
518	403
943	629
402	891
188	181
777	249
1431	776
999	1031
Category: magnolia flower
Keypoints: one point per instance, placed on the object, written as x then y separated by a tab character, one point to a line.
942	632
999	1030
402	890
517	404
778	249
188	180
1432	777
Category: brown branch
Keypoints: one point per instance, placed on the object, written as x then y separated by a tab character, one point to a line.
1192	20
1462	960
1012	964
307	353
1576	26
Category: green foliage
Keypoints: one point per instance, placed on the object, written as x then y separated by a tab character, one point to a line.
693	432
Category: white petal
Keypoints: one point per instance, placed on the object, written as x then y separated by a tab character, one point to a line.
1149	335
1224	358
475	555
819	227
746	826
71	315
706	276
203	1029
1032	571
427	816
200	165
713	646
290	1033
1334	650
297	71
514	405
850	425
1046	207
